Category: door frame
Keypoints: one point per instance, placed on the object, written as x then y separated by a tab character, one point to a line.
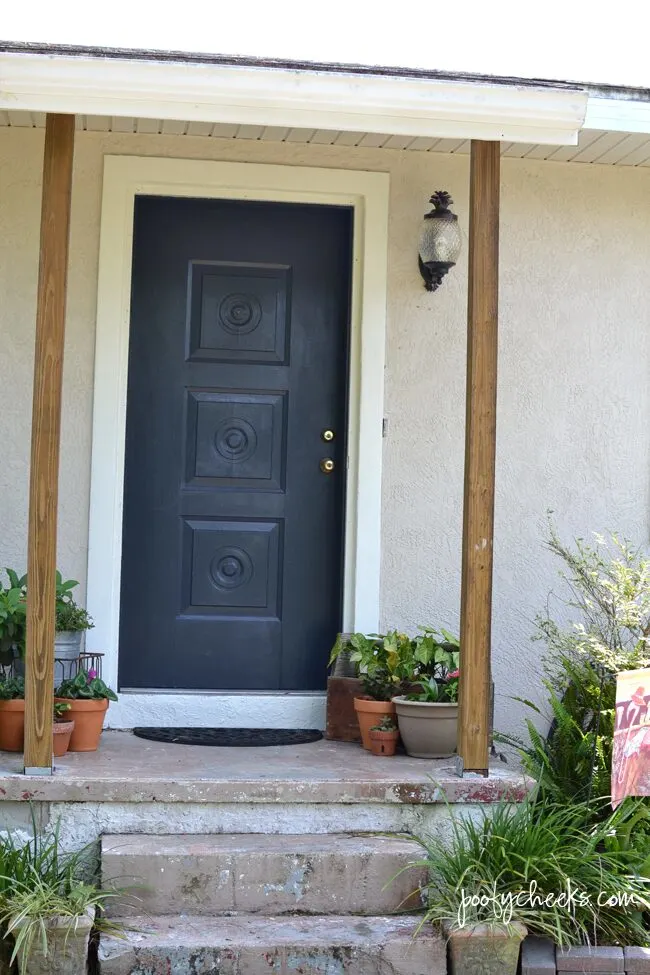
367	193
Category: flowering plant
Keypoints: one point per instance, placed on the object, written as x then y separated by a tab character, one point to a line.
85	686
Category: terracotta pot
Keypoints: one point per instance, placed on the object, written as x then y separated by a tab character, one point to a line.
61	732
428	729
491	949
88	717
12	725
383	742
370	713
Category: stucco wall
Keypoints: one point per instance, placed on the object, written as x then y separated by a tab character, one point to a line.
574	378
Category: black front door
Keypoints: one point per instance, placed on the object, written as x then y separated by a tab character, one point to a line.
238	367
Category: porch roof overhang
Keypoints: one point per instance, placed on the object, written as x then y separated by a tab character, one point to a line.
257	93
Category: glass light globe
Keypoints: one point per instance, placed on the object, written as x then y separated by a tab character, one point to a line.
440	241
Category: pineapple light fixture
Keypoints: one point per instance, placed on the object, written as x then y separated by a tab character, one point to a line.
440	241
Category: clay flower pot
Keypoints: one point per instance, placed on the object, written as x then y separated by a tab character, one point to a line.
61	733
370	713
428	729
12	725
383	742
88	716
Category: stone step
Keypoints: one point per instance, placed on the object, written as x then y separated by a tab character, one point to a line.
274	946
254	873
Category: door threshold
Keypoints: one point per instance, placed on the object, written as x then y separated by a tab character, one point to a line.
213	693
218	709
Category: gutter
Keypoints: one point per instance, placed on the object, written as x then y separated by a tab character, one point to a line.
172	85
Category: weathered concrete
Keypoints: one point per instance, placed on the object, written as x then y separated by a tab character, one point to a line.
281	946
606	960
84	822
537	957
258	873
128	769
637	961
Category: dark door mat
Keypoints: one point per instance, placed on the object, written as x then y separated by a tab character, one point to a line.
230	737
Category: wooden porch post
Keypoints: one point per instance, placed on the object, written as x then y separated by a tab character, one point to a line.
480	442
46	427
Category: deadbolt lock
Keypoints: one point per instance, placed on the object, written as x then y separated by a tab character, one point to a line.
327	465
327	435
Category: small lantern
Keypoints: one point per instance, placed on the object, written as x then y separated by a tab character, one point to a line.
440	241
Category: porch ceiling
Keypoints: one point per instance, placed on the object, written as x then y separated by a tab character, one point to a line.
594	145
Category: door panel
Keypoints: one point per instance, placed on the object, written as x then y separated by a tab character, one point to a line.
238	360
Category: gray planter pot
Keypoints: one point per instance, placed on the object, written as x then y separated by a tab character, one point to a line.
427	730
485	949
67	647
67	948
67	644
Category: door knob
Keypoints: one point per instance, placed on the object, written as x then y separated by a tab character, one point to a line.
327	435
327	465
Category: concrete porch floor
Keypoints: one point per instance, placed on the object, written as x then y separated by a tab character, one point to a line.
127	769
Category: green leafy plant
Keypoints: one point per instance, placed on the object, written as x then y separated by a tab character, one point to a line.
432	691
608	585
12	689
386	724
86	685
34	903
484	874
71	618
60	711
387	664
13	616
573	761
39	882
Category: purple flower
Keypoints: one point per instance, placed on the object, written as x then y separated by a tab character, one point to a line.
92	674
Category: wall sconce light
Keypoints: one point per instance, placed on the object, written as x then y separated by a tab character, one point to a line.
440	241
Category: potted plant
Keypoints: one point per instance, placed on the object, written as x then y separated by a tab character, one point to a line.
384	737
71	620
13	617
378	660
12	714
428	716
428	719
48	904
88	697
532	867
61	729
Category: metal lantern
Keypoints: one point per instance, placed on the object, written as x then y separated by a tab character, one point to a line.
440	241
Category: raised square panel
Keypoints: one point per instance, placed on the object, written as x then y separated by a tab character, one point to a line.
236	439
233	566
238	312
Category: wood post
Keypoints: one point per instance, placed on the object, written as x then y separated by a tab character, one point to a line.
480	444
46	428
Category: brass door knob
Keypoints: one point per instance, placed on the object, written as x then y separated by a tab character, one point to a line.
327	465
327	435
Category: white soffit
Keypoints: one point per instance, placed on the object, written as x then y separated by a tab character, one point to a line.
261	96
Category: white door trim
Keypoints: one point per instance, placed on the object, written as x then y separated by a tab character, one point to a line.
125	177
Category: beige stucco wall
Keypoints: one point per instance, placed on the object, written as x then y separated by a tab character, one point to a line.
574	400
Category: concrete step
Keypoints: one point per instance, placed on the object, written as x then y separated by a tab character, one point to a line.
275	946
263	874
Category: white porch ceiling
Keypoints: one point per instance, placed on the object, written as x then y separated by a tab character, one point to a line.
594	146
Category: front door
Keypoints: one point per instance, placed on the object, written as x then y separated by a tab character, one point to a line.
234	487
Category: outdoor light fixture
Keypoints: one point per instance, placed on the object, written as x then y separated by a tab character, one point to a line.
440	241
